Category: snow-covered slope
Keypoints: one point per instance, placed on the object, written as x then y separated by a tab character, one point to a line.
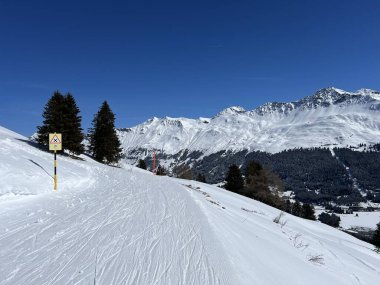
329	117
264	252
25	170
126	226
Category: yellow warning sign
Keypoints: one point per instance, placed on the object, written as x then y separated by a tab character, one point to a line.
55	141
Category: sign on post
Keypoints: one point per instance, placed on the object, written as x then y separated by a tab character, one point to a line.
55	141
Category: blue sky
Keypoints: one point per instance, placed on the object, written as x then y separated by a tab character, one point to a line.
180	58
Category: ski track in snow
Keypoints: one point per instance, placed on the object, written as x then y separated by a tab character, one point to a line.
124	231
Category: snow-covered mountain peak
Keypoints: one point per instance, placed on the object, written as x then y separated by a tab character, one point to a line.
366	91
274	107
322	98
331	116
232	111
369	92
334	96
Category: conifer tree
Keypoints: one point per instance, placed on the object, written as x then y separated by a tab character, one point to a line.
161	171
296	210
308	212
376	238
104	143
61	115
288	206
234	179
253	169
53	118
141	164
72	135
331	220
201	178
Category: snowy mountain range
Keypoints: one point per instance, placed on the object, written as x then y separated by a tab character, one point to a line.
108	225
330	117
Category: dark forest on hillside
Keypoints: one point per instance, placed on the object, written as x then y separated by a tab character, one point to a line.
313	174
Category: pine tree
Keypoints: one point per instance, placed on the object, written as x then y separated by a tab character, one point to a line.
376	238
161	171
253	169
308	212
296	210
72	135
234	179
53	119
61	115
141	164
331	220
104	143
288	206
201	178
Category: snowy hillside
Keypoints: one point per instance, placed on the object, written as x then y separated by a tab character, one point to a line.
108	225
330	117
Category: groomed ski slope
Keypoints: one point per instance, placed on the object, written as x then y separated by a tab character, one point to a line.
108	225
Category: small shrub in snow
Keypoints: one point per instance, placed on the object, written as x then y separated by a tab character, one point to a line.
298	243
279	219
317	259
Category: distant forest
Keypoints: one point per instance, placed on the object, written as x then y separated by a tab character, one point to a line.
314	175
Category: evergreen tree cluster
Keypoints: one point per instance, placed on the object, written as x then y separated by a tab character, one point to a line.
376	238
161	171
365	166
305	211
331	220
263	185
61	115
201	178
142	164
314	175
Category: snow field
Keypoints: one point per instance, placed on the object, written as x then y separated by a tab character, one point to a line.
109	225
264	252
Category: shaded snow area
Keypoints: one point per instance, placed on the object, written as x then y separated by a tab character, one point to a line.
109	225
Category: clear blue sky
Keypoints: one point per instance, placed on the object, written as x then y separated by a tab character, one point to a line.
180	58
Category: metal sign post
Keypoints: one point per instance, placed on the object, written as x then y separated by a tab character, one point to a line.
154	162
55	143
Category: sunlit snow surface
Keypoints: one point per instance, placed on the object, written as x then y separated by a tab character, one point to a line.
108	225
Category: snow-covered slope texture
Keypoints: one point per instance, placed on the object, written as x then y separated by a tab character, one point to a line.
329	117
295	251
125	227
26	170
129	227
